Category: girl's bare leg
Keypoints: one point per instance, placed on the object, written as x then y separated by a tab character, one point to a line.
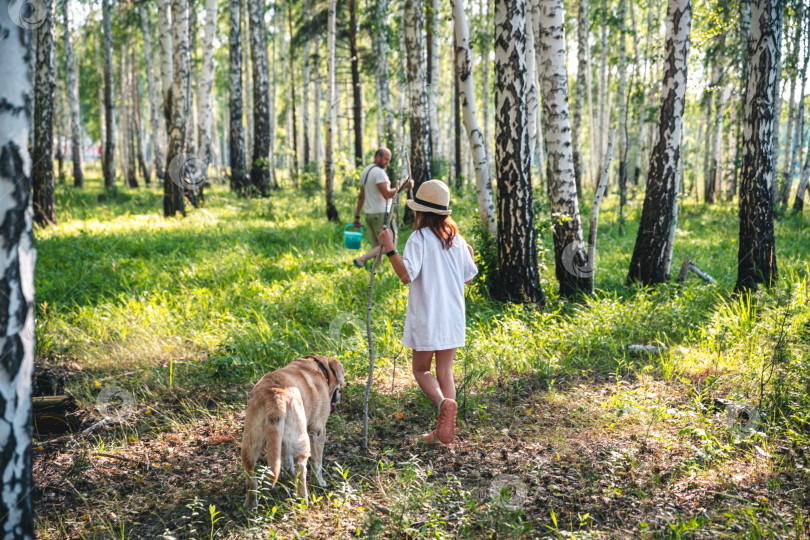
421	372
444	372
442	385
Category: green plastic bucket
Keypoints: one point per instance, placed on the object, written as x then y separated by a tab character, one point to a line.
352	239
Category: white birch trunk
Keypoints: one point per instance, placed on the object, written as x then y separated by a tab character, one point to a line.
17	260
648	264
622	105
433	79
532	60
306	137
329	163
467	97
379	39
72	90
417	90
486	8
567	228
178	109
603	89
109	106
204	88
154	117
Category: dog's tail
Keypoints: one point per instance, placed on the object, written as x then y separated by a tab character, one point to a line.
266	424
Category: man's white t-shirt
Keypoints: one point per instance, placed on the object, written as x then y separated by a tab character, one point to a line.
375	202
435	319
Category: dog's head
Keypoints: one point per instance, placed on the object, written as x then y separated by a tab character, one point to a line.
336	369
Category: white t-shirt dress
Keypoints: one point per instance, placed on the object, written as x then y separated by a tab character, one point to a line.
435	319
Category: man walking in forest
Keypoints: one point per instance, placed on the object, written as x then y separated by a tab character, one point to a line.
375	199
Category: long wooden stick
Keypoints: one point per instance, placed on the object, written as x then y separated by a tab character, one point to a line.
368	315
597	201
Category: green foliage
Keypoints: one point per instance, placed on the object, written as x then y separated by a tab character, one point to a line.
199	308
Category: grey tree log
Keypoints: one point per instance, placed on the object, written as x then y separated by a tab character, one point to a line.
757	254
17	267
417	91
329	165
154	116
464	65
259	168
567	227
648	264
109	106
518	278
177	110
72	89
237	132
44	96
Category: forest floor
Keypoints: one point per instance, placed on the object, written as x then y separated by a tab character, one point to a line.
165	325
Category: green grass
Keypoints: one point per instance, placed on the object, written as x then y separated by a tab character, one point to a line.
187	313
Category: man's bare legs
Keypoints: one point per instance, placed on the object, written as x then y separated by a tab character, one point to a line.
368	256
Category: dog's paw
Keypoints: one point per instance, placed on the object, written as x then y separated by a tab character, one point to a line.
321	481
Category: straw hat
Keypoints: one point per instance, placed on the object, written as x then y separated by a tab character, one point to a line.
432	196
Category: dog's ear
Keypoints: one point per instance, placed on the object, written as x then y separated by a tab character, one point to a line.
337	369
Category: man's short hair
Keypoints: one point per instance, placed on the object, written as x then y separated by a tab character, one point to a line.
381	152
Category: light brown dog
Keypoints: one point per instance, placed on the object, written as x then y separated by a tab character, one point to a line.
288	410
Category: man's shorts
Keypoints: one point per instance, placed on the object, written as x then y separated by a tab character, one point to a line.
374	225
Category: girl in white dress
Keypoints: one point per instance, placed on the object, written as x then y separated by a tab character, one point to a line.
436	264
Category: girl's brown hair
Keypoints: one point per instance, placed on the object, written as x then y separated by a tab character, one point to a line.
442	226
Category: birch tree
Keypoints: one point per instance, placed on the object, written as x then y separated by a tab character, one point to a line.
622	107
798	143
467	96
357	101
649	262
417	92
532	62
177	110
237	133
259	169
567	228
204	94
306	138
44	96
329	166
579	96
17	266
151	88
432	11
757	253
109	106
379	39
72	88
518	277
